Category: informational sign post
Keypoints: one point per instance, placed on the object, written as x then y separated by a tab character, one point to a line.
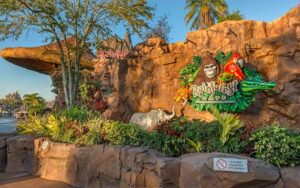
231	165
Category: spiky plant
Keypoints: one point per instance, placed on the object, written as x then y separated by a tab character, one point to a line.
55	126
229	124
33	126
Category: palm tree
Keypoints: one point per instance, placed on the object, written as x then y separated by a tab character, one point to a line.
235	15
34	103
204	13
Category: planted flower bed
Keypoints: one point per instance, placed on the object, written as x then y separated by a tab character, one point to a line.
274	143
80	148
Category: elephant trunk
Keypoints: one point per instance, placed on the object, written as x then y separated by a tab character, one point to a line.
169	117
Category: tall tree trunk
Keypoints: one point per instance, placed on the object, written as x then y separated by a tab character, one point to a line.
65	81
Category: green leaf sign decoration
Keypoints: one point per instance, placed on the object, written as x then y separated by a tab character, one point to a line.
222	81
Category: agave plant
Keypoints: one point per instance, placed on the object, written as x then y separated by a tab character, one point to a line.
229	123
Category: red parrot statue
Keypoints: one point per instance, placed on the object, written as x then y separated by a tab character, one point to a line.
234	65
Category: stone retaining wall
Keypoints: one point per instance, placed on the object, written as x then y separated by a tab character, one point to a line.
126	166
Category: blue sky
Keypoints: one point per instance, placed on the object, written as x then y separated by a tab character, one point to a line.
13	78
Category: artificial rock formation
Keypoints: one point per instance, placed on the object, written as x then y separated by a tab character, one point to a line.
197	171
125	166
46	59
91	167
149	77
42	59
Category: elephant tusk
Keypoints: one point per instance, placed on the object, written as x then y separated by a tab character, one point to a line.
184	102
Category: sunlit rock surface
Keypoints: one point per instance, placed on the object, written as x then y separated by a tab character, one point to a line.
43	59
148	77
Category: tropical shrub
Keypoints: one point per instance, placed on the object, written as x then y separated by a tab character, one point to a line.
181	136
208	134
118	133
229	123
71	126
33	126
204	133
54	126
81	114
168	138
34	103
277	145
91	134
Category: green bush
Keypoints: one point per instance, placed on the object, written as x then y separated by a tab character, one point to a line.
33	126
81	114
277	145
169	145
208	134
64	127
181	136
118	133
168	138
205	133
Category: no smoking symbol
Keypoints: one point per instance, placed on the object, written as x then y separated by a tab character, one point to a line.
221	164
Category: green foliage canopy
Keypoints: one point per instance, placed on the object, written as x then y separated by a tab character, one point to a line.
204	13
277	145
11	101
235	15
34	103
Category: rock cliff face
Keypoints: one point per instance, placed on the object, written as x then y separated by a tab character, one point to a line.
149	77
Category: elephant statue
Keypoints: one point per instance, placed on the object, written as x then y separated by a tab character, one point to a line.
151	119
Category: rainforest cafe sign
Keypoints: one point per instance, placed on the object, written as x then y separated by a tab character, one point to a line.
222	80
117	54
211	88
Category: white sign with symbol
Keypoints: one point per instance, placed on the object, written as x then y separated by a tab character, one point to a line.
230	165
45	145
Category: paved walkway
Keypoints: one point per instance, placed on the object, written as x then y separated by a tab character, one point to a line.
24	180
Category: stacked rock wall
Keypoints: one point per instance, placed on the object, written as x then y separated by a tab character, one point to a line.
126	166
